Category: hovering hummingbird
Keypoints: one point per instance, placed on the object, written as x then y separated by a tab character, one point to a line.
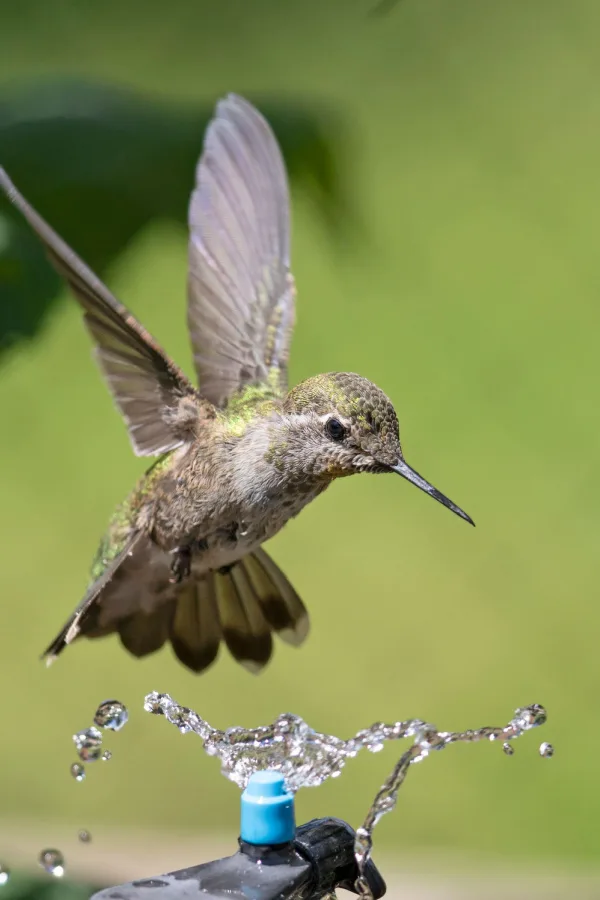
182	560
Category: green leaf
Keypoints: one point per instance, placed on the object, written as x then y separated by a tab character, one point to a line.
101	162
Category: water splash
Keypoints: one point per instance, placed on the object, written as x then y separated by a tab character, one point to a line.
4	874
53	862
307	758
84	836
111	714
77	771
88	744
525	718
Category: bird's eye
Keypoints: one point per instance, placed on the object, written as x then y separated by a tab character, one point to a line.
335	429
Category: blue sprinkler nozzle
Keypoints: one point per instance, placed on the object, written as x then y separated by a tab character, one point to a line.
267	814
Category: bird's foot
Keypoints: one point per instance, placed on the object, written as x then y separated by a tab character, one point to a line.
181	566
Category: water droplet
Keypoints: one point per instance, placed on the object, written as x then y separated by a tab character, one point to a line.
429	739
529	717
78	772
84	836
88	744
508	748
180	716
546	750
106	756
156	703
111	714
4	874
243	529
53	862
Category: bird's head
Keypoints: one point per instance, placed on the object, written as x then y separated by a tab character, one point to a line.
340	424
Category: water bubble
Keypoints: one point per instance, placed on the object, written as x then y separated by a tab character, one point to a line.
106	756
111	714
508	748
84	836
78	772
4	874
53	862
546	750
88	744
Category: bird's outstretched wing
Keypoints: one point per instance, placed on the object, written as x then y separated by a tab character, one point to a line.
240	289
150	391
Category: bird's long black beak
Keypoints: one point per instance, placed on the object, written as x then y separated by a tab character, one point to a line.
405	470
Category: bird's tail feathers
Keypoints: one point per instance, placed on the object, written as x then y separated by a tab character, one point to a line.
241	607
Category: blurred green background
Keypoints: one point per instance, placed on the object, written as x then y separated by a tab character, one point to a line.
466	284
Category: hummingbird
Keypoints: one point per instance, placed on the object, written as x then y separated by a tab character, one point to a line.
182	560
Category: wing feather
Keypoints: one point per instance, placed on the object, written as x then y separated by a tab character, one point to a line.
240	289
147	386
